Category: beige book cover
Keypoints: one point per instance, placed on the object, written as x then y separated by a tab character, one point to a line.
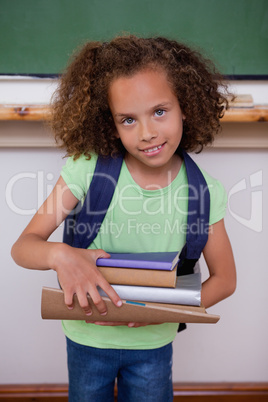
53	307
134	276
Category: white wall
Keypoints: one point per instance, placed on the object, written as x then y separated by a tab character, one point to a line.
235	349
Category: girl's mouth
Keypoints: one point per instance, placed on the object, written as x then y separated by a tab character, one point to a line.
154	150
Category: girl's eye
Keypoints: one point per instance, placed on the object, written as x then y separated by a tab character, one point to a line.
160	112
128	121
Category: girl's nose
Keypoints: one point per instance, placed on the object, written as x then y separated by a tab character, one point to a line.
147	132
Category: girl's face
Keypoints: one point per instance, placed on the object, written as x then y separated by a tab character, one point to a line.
147	117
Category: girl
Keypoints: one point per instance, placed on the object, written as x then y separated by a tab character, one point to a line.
146	98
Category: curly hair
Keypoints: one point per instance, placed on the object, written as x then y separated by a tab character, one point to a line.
81	118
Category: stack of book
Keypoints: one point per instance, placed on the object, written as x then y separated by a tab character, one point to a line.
150	277
149	287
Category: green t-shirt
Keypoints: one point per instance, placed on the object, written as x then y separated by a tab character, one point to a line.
137	220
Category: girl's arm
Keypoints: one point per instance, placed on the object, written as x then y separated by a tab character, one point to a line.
220	261
76	268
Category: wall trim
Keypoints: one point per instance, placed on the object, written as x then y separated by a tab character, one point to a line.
183	392
36	134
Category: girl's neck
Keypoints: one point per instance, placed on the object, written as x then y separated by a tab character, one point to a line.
153	178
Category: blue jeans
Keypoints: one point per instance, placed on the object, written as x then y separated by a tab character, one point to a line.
142	375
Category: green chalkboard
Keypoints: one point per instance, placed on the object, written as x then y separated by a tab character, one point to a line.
38	36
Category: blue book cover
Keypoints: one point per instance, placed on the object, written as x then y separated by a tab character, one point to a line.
160	260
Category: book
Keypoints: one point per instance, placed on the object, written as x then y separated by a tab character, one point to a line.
241	101
156	260
53	307
134	276
186	292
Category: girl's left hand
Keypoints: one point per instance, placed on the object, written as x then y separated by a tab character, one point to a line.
117	323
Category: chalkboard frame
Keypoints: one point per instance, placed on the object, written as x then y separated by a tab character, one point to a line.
238	77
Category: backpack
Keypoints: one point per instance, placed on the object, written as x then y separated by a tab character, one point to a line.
99	196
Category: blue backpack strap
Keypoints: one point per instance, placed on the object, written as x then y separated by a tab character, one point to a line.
82	225
198	216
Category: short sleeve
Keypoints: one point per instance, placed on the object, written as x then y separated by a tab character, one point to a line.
218	199
218	202
78	173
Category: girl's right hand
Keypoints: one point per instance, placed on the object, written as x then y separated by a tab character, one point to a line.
78	274
76	268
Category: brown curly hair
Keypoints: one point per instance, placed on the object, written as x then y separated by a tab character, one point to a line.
81	118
